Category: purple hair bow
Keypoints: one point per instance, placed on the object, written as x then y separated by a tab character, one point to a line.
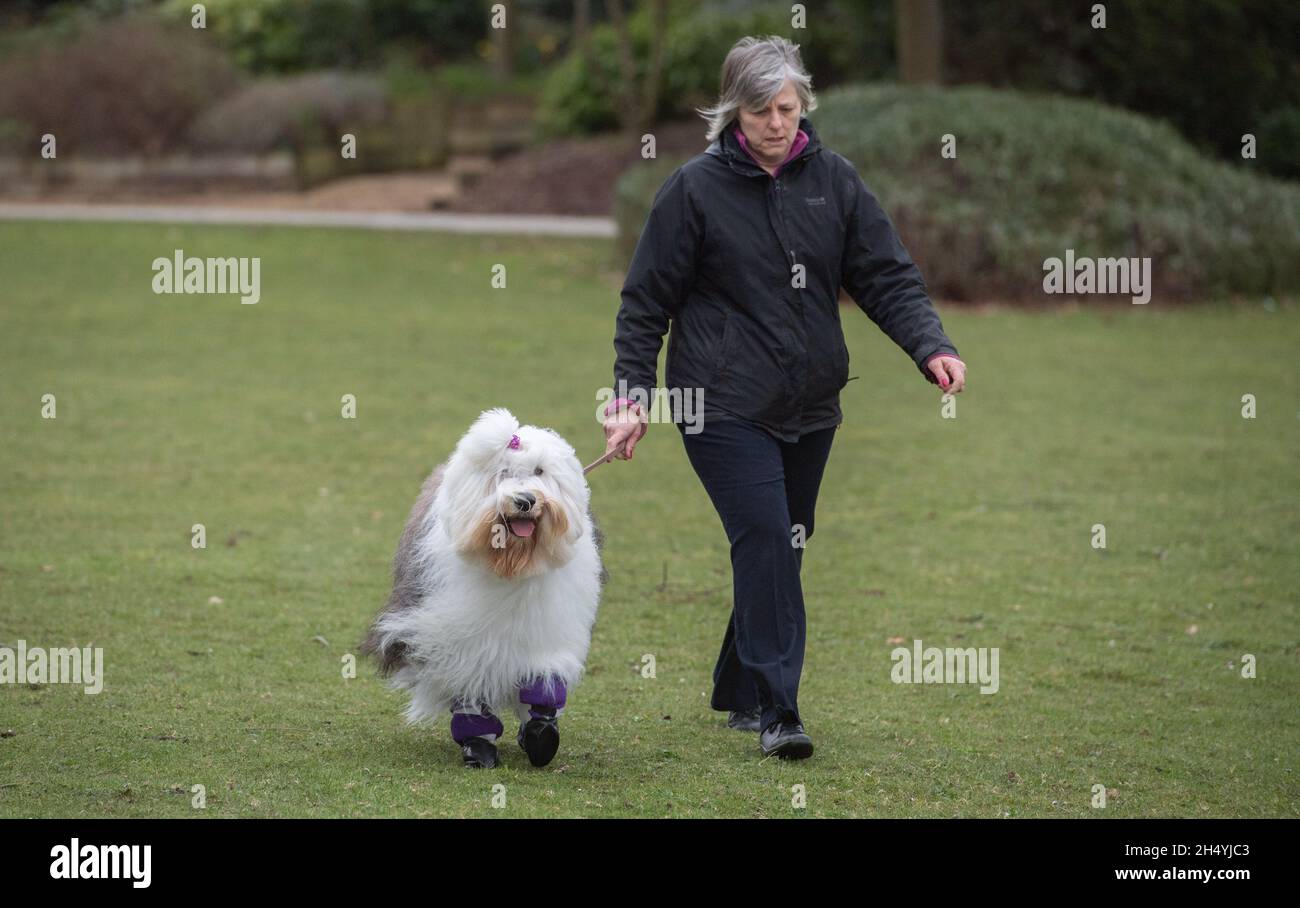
514	443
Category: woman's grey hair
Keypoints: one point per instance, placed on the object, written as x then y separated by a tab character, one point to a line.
752	75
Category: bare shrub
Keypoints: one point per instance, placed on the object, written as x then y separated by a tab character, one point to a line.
118	86
291	112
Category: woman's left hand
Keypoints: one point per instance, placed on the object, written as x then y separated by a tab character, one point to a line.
949	372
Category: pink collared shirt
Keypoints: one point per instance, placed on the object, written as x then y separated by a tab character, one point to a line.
799	142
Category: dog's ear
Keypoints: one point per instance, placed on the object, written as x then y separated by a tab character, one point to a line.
489	436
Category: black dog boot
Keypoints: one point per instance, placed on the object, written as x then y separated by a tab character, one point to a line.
540	739
479	753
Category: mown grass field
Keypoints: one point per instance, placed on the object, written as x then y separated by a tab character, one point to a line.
1118	667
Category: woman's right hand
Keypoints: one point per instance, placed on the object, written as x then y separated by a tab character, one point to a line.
624	429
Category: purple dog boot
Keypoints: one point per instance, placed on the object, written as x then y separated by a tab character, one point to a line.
540	735
475	729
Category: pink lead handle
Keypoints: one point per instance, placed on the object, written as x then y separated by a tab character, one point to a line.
605	458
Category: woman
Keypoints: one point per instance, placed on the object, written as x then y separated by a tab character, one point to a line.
744	253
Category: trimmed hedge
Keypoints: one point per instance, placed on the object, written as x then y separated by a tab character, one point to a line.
1216	69
1036	175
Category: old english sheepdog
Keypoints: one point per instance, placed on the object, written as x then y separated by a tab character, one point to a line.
495	587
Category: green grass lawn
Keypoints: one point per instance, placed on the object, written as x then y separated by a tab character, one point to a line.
1118	667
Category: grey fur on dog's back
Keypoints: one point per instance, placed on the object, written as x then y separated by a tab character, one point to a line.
598	536
408	588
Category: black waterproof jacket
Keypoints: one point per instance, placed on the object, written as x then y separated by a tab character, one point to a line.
718	261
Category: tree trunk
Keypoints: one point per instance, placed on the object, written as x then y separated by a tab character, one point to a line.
920	41
654	79
502	57
637	105
581	21
625	102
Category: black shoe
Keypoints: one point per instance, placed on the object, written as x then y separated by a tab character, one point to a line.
744	719
540	739
479	753
787	740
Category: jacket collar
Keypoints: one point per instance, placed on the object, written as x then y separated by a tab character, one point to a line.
738	159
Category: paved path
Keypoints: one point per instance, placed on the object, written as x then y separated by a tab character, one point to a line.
542	225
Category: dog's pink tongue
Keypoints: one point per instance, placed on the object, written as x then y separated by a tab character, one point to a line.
522	527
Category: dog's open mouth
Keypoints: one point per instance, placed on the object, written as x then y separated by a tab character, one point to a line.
522	526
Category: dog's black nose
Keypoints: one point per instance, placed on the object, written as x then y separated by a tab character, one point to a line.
524	502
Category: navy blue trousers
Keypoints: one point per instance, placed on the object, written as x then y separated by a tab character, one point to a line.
762	489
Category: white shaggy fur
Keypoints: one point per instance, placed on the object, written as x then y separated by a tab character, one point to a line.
467	632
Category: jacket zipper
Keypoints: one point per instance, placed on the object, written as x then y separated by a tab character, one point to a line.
780	213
